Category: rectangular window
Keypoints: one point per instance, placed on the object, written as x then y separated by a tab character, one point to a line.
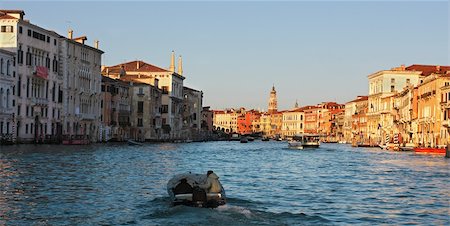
8	29
20	29
27	111
140	107
26	128
408	81
139	122
165	89
392	80
18	110
28	87
29	32
164	108
392	88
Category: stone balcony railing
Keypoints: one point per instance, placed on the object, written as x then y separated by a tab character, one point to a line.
6	110
87	116
39	101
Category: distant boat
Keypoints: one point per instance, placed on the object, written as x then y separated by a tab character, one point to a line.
235	137
302	141
250	138
265	139
244	140
134	143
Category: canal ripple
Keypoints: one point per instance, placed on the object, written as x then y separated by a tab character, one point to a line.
266	184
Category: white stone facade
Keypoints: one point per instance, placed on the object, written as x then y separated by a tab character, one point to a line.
38	81
81	69
7	100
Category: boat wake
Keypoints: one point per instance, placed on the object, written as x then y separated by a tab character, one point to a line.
235	212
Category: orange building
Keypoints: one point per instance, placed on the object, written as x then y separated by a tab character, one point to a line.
327	114
246	120
312	119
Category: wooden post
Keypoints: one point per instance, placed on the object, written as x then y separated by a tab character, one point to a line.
447	151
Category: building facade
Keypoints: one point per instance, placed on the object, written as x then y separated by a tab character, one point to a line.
7	97
293	123
146	120
192	111
383	85
115	107
431	131
38	81
170	83
81	69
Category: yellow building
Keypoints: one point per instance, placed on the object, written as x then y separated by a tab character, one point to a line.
405	107
445	108
382	85
431	130
222	120
264	124
293	123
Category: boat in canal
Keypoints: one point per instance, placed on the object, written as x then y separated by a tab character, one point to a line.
190	194
244	140
134	143
265	139
305	140
429	150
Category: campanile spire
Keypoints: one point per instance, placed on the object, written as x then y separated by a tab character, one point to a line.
273	105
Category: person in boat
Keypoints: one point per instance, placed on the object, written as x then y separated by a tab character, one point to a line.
183	187
212	184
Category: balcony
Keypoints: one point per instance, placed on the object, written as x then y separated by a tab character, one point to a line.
446	123
85	116
445	105
39	101
6	110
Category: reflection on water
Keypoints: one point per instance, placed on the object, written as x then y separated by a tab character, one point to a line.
266	183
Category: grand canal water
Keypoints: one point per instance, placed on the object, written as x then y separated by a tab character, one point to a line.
266	184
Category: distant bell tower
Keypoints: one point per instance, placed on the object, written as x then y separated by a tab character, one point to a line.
273	101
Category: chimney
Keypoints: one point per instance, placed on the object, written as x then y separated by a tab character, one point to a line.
137	64
107	70
70	35
96	44
403	67
172	62
438	68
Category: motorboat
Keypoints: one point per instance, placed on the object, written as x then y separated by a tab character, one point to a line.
134	143
194	196
250	138
265	139
302	141
244	140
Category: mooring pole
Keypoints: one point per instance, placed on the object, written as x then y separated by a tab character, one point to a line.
447	151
